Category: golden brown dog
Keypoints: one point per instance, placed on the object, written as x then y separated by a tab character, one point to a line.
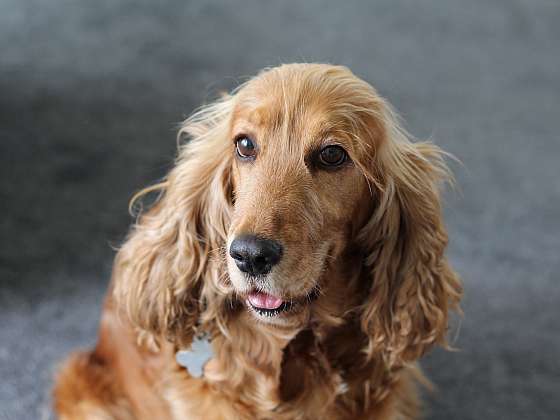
301	230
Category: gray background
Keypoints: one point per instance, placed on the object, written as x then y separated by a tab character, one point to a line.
90	94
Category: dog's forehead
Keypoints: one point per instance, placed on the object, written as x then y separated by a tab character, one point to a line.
287	116
257	111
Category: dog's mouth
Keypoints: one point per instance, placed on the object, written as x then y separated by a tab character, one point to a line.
269	305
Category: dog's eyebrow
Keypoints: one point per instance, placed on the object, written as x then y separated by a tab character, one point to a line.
329	134
242	126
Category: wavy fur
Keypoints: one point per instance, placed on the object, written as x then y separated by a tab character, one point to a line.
384	284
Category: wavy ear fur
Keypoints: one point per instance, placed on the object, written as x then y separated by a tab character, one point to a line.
413	287
159	270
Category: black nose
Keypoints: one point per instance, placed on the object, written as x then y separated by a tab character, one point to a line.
254	255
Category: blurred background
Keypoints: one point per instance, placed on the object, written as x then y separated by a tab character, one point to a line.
90	97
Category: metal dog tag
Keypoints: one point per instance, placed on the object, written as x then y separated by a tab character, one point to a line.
196	357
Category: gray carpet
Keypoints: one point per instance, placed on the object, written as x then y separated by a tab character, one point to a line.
90	94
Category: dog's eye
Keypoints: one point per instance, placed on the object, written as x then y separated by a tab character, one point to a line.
332	156
245	147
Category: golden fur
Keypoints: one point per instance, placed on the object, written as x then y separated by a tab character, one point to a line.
368	237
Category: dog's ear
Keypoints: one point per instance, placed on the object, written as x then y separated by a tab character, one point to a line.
412	285
159	270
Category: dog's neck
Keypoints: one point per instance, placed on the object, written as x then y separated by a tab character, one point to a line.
276	369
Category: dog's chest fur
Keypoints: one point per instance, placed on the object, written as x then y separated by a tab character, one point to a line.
314	375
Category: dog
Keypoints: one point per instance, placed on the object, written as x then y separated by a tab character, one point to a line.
301	231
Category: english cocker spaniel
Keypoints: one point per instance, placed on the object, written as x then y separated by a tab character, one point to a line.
301	231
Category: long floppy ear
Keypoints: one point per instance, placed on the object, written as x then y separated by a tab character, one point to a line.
413	287
159	271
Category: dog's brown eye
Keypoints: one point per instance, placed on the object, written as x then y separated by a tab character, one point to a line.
332	156
245	147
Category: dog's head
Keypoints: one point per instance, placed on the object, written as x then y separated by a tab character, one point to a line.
298	189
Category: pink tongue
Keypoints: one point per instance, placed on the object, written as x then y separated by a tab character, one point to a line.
264	301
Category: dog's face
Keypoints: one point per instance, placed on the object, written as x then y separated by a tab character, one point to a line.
298	195
308	184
